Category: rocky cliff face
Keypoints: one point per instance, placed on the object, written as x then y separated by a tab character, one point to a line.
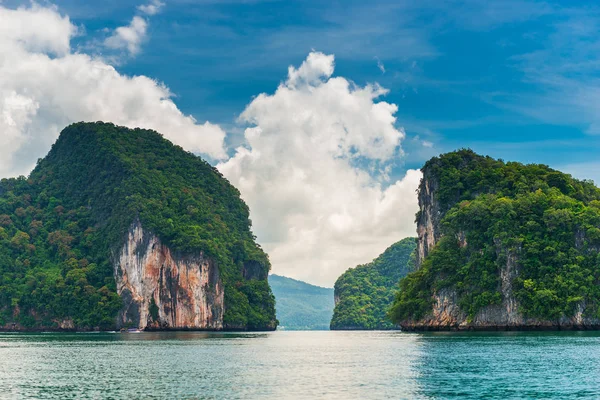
163	290
428	218
446	313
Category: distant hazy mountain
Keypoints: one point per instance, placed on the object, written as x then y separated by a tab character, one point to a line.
300	305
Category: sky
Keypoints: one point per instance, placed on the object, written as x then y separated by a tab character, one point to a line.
320	113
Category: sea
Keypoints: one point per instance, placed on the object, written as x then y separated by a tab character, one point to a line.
300	365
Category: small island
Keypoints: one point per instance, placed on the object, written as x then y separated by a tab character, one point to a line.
119	228
502	246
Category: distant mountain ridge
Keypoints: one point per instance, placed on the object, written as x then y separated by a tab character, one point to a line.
300	305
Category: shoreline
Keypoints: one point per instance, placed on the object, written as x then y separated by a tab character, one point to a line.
500	328
75	330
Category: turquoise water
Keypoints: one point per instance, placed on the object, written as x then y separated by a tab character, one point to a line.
296	365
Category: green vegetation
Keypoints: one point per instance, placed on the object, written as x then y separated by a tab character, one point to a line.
59	228
366	292
301	306
544	221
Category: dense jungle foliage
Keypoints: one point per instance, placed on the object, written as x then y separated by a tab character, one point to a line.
365	293
60	226
541	220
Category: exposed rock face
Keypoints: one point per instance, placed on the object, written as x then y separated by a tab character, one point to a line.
162	290
447	314
428	218
66	324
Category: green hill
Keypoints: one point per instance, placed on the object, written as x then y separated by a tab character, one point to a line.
503	245
301	305
365	293
63	229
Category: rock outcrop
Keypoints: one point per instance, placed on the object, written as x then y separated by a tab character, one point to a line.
428	218
447	314
163	290
506	314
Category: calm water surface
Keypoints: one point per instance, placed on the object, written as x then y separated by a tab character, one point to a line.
340	365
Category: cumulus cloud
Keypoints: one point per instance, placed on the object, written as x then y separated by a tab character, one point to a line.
316	66
37	29
128	37
44	86
131	37
314	172
151	8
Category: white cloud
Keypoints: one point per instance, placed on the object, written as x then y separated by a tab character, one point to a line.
151	8
317	152
36	29
132	36
44	86
315	67
128	37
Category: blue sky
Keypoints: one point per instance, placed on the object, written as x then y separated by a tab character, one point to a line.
487	75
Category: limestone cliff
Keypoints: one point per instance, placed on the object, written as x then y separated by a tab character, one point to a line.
428	218
163	290
502	254
446	313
